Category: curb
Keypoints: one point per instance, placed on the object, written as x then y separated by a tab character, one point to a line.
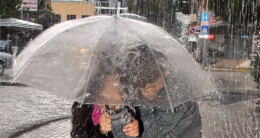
231	69
34	125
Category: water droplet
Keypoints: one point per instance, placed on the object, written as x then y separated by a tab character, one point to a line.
88	94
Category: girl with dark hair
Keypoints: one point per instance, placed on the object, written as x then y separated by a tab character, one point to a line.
101	121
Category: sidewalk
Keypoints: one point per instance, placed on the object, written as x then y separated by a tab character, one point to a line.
25	108
233	121
29	113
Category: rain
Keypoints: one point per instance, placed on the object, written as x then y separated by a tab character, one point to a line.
111	56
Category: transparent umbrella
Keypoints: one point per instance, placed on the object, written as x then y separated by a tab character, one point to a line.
74	59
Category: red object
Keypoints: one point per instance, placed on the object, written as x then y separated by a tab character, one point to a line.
211	37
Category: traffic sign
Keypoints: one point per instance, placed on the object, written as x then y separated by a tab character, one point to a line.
244	36
192	38
192	30
204	29
204	17
204	36
204	25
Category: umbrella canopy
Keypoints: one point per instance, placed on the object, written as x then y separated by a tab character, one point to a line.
13	22
133	16
74	59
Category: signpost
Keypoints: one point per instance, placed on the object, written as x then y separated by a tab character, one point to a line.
31	5
204	24
192	30
204	33
192	36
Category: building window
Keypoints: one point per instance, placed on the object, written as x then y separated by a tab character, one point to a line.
104	11
57	18
84	16
71	17
105	4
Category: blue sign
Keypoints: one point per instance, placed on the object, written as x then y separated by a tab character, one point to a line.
204	29
244	36
204	17
192	31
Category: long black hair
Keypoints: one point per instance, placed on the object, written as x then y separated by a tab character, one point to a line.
82	124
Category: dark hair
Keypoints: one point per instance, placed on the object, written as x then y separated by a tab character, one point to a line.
143	65
81	120
101	67
82	124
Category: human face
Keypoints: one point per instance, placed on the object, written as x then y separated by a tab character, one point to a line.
151	90
110	93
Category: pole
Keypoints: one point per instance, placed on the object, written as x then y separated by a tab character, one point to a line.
204	54
110	13
204	44
118	9
21	12
191	12
0	28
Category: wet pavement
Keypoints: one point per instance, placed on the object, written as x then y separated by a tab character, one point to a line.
29	113
24	108
228	121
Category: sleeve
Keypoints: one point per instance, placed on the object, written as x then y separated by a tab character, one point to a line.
137	116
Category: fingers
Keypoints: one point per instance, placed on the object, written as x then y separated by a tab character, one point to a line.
105	123
132	129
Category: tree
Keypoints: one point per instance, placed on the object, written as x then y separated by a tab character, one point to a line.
8	8
43	15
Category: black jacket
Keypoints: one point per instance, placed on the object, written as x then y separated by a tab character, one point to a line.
183	122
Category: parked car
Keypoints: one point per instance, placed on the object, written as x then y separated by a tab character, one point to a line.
5	62
5	46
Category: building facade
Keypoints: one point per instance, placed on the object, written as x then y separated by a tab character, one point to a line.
69	10
75	9
108	7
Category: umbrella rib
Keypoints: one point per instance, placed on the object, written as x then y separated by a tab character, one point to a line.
87	80
163	79
89	72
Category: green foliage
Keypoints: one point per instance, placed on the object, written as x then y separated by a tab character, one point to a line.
8	8
44	14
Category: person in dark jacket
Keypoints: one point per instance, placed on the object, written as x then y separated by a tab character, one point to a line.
87	123
16	43
147	76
